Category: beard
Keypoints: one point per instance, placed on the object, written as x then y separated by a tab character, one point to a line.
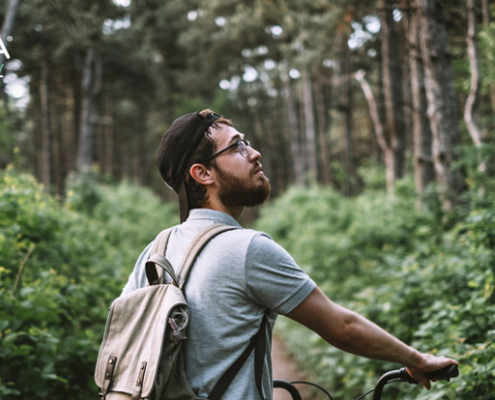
234	192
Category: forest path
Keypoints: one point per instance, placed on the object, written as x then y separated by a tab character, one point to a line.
287	369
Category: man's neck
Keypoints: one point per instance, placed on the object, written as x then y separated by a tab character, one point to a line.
234	212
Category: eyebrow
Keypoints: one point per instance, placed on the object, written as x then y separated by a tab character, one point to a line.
236	137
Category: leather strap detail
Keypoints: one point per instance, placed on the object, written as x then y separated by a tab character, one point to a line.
112	360
136	394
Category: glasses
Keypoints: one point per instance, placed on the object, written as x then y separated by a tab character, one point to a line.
240	145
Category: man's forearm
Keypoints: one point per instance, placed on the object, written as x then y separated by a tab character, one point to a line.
350	331
364	338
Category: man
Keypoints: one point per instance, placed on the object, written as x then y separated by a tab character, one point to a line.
242	275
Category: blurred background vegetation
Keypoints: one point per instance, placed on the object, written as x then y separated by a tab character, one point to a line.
375	121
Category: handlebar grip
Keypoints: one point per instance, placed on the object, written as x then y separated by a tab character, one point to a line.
444	374
450	371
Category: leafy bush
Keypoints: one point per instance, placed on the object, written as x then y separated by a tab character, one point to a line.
430	284
61	265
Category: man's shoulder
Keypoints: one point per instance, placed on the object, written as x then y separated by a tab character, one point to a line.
250	235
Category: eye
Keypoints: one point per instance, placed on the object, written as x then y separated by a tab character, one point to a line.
239	145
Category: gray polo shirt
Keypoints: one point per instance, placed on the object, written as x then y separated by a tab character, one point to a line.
239	275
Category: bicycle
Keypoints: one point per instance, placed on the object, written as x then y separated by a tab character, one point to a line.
397	375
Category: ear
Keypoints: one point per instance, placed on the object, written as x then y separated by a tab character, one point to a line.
201	174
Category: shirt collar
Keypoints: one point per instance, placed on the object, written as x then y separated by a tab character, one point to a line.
212	215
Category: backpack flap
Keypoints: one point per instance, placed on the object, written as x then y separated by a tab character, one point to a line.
129	356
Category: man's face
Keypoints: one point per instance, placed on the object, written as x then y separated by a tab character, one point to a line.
240	179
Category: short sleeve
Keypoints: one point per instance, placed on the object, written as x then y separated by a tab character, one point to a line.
137	279
273	278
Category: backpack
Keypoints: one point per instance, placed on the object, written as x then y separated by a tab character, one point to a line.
140	357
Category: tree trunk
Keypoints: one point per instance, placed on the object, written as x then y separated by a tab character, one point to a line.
91	84
8	24
108	157
59	172
388	153
343	94
309	124
485	7
350	165
472	99
323	142
296	153
392	88
424	172
46	135
442	109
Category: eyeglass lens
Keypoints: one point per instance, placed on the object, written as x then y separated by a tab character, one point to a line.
242	146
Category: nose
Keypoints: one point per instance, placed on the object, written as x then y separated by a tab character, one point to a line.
253	154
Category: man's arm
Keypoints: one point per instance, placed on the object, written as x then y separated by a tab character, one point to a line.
355	334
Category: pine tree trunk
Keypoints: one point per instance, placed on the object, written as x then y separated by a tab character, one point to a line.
472	100
323	141
343	94
294	135
442	108
350	165
108	134
424	172
485	7
392	88
309	123
91	84
388	153
46	135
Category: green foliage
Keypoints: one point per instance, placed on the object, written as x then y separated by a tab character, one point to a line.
60	268
428	283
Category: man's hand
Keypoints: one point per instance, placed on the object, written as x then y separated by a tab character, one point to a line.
428	363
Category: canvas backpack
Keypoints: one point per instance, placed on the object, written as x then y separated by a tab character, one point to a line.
140	356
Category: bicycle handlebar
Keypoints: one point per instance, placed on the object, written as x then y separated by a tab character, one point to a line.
289	387
450	371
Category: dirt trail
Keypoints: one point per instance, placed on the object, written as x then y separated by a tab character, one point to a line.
286	369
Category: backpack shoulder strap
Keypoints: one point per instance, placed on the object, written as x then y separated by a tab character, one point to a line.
198	243
160	243
157	259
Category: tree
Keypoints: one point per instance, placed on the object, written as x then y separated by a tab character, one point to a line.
442	106
472	99
392	90
424	172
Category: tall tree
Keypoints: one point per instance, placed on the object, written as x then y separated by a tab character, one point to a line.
293	124
392	90
470	107
442	106
424	172
323	138
46	134
309	125
91	85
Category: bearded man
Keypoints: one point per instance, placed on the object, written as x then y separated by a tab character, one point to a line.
242	280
